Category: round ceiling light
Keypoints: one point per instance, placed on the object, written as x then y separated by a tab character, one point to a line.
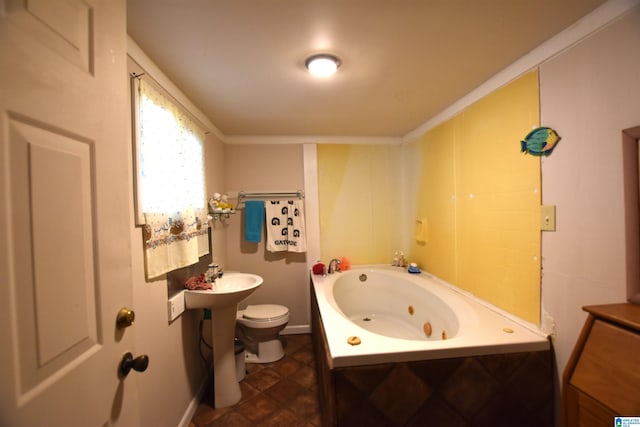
322	65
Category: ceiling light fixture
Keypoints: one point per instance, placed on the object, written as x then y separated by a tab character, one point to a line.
322	65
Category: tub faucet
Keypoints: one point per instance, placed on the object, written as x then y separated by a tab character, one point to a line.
334	266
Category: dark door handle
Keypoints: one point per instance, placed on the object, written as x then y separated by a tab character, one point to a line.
139	364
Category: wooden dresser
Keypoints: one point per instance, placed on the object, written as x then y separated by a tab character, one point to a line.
602	377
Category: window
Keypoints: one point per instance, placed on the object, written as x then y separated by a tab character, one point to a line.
170	186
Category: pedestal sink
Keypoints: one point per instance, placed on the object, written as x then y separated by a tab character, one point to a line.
223	301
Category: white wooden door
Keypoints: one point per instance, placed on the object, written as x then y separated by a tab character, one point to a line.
64	217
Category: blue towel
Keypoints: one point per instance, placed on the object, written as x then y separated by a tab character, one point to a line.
253	219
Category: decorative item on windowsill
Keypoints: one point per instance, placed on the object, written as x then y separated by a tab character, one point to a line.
540	141
219	205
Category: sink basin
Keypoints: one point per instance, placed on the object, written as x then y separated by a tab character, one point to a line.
223	301
228	290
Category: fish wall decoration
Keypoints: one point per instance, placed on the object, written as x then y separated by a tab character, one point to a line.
540	141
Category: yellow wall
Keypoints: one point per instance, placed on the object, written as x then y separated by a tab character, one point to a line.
476	194
434	245
481	198
359	196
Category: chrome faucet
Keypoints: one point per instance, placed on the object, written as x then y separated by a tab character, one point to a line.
213	272
334	266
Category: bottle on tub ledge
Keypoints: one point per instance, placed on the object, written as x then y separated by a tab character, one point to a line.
399	259
413	268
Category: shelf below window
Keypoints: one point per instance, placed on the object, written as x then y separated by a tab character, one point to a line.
219	216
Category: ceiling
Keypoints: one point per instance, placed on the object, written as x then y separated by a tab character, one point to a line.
242	61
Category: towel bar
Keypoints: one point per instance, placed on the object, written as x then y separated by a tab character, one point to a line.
247	195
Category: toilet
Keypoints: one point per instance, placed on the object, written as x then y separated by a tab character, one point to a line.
258	327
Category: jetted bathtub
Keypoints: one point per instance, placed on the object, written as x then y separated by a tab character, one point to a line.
389	309
409	349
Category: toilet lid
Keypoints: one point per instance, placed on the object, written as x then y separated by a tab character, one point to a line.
264	311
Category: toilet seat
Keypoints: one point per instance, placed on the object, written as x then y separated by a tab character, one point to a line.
265	312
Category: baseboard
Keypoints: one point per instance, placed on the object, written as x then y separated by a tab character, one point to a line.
296	329
193	404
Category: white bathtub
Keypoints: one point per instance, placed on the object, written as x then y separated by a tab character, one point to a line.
388	313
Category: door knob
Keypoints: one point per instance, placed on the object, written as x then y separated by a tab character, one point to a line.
125	318
139	364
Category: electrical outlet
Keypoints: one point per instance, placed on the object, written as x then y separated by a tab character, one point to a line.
548	217
175	306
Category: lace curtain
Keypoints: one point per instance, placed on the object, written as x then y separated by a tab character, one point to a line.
172	188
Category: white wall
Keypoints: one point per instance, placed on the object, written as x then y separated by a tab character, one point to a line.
268	168
589	94
168	389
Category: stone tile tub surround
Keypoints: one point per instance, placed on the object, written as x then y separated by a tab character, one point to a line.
457	381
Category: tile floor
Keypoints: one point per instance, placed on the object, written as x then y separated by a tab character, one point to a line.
283	393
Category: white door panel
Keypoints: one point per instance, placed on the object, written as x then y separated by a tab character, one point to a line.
50	202
63	26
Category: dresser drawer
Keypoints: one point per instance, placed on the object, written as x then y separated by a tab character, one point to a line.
609	368
584	411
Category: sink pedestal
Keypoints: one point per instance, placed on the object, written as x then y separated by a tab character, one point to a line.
226	389
223	301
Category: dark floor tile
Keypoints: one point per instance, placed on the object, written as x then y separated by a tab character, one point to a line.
258	407
248	391
281	393
287	366
263	379
285	391
206	414
315	420
231	419
305	404
292	343
281	418
304	355
252	368
306	377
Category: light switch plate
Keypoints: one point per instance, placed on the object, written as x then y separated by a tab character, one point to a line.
175	306
548	218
